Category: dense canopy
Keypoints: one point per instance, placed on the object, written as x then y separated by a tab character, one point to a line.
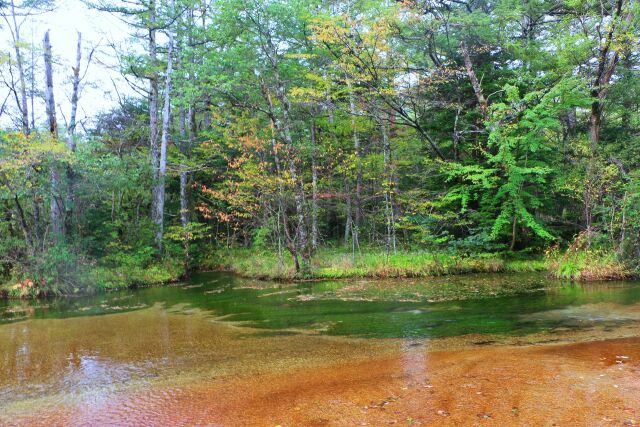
289	126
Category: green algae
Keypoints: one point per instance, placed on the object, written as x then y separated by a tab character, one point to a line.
508	304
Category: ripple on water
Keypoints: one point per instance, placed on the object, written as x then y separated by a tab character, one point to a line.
132	356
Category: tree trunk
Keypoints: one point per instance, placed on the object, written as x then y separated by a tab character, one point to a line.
292	242
184	201
184	142
357	201
24	109
301	228
56	206
71	143
477	89
314	186
607	61
388	190
162	169
153	109
348	225
23	225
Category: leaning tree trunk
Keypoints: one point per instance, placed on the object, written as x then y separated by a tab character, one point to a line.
475	83
56	206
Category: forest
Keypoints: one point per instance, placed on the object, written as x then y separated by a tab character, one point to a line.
308	138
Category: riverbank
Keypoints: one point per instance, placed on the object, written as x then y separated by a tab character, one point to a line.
326	264
569	265
89	279
339	264
587	266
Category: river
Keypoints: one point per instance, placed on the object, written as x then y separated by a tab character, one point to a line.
221	350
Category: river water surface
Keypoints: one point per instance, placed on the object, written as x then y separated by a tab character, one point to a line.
220	350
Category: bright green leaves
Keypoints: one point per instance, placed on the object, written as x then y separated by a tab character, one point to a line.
514	178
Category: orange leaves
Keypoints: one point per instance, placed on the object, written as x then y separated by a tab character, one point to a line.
205	210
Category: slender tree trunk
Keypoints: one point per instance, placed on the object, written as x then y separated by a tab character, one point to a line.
348	225
24	109
71	143
32	93
388	190
301	228
314	186
184	201
23	225
184	142
475	83
514	228
357	201
162	170
292	242
153	109
56	206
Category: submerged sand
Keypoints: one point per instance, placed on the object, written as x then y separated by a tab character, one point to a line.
153	367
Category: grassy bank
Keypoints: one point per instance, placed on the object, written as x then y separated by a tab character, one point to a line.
338	264
92	278
587	265
81	277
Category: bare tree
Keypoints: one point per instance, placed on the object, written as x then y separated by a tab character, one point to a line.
162	169
56	206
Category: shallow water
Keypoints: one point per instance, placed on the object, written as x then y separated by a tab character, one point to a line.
130	355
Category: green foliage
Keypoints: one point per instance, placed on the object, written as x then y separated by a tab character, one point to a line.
309	131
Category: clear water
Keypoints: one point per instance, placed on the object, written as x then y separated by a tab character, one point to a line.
429	308
72	361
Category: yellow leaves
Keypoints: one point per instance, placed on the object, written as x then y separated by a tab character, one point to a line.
21	155
305	94
329	31
301	55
